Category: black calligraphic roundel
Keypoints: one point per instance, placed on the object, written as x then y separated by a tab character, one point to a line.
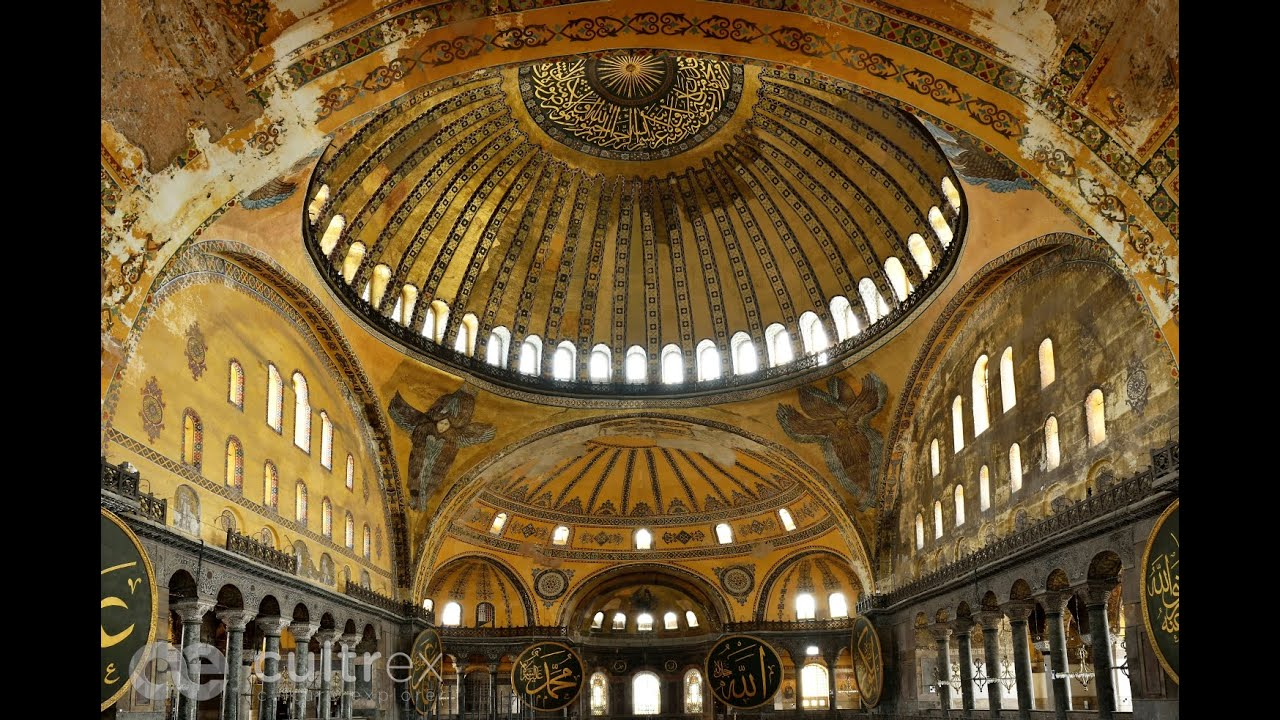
868	663
1159	587
128	605
744	671
427	668
548	675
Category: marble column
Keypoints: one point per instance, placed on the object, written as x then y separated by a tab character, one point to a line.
1018	612
941	633
271	628
1055	603
302	675
349	642
326	638
191	611
831	655
493	689
990	620
235	620
1096	594
963	628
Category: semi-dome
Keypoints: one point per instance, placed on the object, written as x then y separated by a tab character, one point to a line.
635	223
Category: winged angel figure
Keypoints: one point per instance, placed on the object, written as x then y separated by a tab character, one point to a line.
435	436
839	420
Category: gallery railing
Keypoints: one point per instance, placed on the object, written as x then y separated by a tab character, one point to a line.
375	598
255	549
124	481
540	631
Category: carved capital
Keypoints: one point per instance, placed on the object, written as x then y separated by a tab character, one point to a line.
192	610
350	640
940	631
272	625
1097	592
990	619
328	635
1055	601
962	626
235	618
1018	610
302	631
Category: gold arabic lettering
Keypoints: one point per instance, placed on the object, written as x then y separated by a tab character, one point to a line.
1163	583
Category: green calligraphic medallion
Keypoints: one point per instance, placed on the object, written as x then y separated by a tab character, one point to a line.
128	605
427	667
548	675
744	671
868	662
1158	585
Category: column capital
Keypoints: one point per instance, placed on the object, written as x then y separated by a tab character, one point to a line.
1018	610
235	618
192	610
272	625
1055	601
990	619
350	639
302	631
328	635
941	631
1097	592
962	626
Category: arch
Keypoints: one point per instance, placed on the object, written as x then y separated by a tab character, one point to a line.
898	281
693	691
452	615
317	204
837	606
724	533
235	463
814	685
957	424
599	693
812	334
352	262
805	606
435	321
959	494
332	233
935	465
445	573
578	603
530	356
406	304
1052	452
351	472
600	364
1008	393
1095	416
690	618
777	581
498	347
635	368
597	620
708	357
326	517
643	539
326	441
301	413
784	516
465	340
300	503
743	352
919	531
564	361
670	621
940	226
644	622
1105	565
235	384
560	536
270	486
1020	590
484	614
984	488
1047	370
1057	580
937	519
952	194
349	531
646	693
777	342
872	300
1015	468
275	399
981	418
619	621
192	439
672	365
920	253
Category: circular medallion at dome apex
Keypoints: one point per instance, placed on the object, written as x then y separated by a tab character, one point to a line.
632	105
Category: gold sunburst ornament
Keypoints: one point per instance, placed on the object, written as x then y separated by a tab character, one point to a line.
631	75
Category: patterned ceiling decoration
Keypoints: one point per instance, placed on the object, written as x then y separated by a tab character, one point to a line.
470	581
634	199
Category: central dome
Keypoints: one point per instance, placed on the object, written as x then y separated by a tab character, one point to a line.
635	224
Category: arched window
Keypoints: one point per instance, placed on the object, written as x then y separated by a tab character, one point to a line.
1095	417
1015	468
690	618
871	299
743	352
560	536
465	341
646	694
351	263
349	532
435	320
317	204
235	463
326	518
635	366
984	488
672	365
1047	373
670	621
846	321
777	342
644	539
897	278
329	240
959	505
600	364
275	399
1008	394
813	684
693	692
597	621
919	250
351	472
724	533
980	417
804	606
644	622
619	621
531	356
192	439
940	226
270	486
837	605
812	334
326	441
495	352
785	516
708	360
919	531
952	194
499	520
381	277
935	465
366	542
301	413
300	503
563	361
484	614
599	694
937	519
235	385
957	424
406	303
452	616
1052	455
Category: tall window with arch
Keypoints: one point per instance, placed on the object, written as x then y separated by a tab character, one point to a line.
484	614
957	424
300	503
436	320
708	360
937	519
693	692
192	439
984	488
351	472
812	335
599	694
351	263
951	193
270	486
381	277
301	413
1008	393
805	606
898	280
597	620
564	361
531	356
724	533
672	365
981	419
919	250
837	605
644	622
235	463
1047	371
644	539
235	385
940	226
465	341
635	365
496	349
499	522
743	353
670	621
1052	453
326	518
405	305
275	399
367	542
1015	468
646	694
560	536
317	204
784	516
777	342
452	616
935	464
619	621
872	300
1095	416
813	686
959	493
919	531
332	234
600	364
691	618
349	532
326	441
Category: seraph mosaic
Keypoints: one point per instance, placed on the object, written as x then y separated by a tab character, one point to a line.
436	435
839	420
975	166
